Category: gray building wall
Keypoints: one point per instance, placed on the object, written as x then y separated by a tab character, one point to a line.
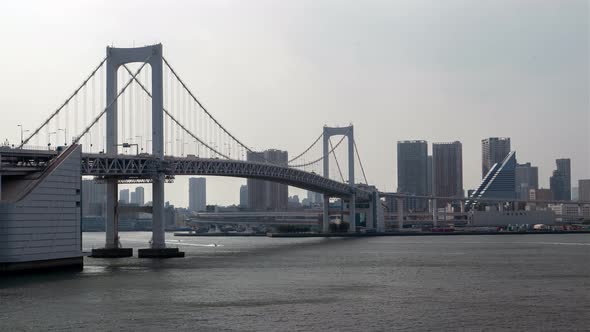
45	224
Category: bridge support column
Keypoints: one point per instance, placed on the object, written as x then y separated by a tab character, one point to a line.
400	213
370	215
158	218
111	248
352	214
434	212
326	215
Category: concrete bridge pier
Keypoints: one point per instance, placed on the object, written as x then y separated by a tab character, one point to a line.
400	213
112	247
326	215
352	214
434	208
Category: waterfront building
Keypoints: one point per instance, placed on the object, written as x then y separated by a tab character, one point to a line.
493	150
267	195
197	194
124	196
447	170
570	213
560	181
584	190
412	172
526	178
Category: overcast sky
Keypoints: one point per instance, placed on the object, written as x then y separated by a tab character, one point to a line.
274	72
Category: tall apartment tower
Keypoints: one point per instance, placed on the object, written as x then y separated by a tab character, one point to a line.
93	198
124	196
140	194
447	165
266	195
584	190
244	196
429	170
493	150
526	177
137	196
561	180
197	194
412	172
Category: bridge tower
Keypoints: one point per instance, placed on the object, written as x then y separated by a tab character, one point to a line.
116	57
349	133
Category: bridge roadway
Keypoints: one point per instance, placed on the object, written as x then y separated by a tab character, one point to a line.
144	167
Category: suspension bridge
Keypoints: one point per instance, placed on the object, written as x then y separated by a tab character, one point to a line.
135	120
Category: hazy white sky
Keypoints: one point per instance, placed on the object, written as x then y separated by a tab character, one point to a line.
274	72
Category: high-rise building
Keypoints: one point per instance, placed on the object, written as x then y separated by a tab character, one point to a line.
244	196
140	193
429	171
526	178
93	198
493	150
447	169
197	194
267	195
584	190
124	196
314	198
412	172
561	181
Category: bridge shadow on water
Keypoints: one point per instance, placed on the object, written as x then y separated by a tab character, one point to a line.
203	257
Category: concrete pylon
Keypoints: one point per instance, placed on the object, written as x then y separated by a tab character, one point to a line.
116	57
349	133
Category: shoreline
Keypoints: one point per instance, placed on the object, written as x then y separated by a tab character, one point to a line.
303	235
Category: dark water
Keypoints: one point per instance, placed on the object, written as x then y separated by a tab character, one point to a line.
528	282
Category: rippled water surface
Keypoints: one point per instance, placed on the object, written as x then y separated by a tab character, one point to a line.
524	282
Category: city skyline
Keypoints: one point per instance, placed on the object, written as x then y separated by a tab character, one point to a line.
415	87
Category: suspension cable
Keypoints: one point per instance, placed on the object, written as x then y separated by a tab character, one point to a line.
360	162
322	157
113	101
175	120
335	158
203	107
64	104
306	150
